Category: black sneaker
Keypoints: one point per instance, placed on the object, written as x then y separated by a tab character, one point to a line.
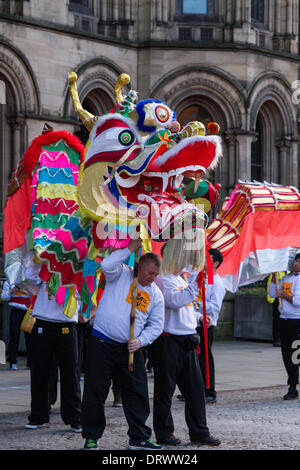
292	393
117	400
90	444
169	441
207	441
76	427
34	425
180	397
210	400
143	445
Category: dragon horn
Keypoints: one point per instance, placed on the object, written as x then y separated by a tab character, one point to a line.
87	118
122	80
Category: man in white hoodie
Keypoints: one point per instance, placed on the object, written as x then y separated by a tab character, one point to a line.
289	322
109	347
175	362
53	337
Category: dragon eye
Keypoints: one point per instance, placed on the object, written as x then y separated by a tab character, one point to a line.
126	138
162	113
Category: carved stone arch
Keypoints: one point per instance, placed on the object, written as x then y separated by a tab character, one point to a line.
21	84
273	87
22	101
216	87
273	117
96	82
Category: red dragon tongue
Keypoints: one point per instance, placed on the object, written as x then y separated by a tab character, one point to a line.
161	211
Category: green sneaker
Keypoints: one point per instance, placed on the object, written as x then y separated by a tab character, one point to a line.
90	444
143	445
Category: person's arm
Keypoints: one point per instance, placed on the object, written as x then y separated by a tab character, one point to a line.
6	292
296	295
214	300
174	298
291	298
112	265
155	323
272	287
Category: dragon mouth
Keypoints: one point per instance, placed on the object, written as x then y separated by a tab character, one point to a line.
156	194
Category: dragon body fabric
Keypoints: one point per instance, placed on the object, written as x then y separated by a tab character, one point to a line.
138	173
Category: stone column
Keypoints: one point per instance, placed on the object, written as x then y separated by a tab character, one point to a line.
115	12
16	127
277	16
231	141
229	12
238	16
127	10
165	12
289	20
159	11
294	178
284	161
244	141
247	11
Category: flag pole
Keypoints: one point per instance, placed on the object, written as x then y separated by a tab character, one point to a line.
205	337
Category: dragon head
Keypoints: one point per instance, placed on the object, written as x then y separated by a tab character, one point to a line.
136	161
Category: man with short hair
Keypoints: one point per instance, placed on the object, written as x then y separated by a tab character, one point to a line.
109	347
289	322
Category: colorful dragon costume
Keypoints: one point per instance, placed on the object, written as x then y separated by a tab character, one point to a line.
139	172
257	231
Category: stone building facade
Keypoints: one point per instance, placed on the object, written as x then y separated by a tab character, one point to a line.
231	61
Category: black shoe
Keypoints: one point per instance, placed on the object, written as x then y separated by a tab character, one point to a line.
76	427
169	441
117	399
181	397
33	425
207	441
143	445
292	393
210	400
91	444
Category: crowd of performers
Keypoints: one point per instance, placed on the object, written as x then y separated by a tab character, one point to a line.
168	326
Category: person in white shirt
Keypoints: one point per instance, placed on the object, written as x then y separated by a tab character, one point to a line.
109	346
19	302
175	361
214	295
289	322
53	338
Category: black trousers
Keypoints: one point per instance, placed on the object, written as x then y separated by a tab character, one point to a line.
15	320
289	331
103	361
172	365
275	322
54	341
209	392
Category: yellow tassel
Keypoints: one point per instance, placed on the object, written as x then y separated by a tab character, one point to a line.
146	240
71	306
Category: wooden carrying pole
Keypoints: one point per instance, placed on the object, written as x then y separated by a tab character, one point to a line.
133	304
277	286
